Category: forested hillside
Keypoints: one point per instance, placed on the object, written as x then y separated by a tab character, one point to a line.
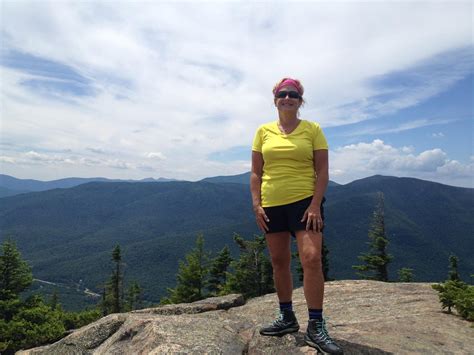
67	234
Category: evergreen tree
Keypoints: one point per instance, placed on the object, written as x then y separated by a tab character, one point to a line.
253	274
117	280
54	302
377	259
325	261
15	277
299	268
112	299
453	268
23	324
34	323
456	293
464	302
15	274
405	274
104	307
218	271
191	277
449	292
75	320
133	299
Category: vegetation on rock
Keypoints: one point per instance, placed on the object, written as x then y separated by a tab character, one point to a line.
405	274
200	277
252	274
376	261
455	293
30	322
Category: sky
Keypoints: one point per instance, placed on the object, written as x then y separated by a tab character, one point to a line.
132	90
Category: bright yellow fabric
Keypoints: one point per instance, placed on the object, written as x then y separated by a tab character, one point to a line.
288	168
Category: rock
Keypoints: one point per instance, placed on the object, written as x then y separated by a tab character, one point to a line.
364	317
206	305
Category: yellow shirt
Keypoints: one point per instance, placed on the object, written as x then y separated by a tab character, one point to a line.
288	167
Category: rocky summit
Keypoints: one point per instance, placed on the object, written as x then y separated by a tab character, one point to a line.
364	317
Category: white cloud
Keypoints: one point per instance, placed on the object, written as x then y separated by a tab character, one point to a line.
438	135
181	81
156	155
35	157
406	126
363	159
96	150
455	168
7	159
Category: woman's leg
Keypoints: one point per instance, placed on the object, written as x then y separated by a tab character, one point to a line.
280	252
309	248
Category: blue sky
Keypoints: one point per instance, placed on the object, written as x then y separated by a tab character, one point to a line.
154	89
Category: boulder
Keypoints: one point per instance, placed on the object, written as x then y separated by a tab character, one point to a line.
364	317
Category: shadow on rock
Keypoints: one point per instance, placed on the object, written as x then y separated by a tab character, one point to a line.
348	347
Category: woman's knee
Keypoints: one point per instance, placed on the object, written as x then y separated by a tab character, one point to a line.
281	260
311	260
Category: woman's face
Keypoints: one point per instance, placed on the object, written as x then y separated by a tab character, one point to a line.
287	103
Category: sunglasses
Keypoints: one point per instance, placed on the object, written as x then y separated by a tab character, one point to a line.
290	94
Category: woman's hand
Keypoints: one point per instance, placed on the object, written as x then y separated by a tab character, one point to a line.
261	218
312	215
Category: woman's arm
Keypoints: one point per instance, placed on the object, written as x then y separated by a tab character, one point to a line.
312	214
321	169
255	189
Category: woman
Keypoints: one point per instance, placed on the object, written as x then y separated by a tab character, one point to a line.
288	180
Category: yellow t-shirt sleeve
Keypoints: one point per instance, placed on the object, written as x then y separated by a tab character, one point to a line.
257	140
319	140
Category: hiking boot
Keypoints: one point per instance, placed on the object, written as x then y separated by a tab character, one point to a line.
317	337
284	324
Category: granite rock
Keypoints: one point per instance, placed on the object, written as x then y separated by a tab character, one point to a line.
364	317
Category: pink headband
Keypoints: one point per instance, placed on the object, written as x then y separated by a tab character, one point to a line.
289	82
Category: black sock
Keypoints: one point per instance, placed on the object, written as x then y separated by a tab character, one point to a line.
286	306
315	314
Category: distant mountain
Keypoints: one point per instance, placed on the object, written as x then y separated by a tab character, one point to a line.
238	179
241	179
67	235
16	186
4	192
425	223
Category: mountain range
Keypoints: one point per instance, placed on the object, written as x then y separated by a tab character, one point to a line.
10	185
67	234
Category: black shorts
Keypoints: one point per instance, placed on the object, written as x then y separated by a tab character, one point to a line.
287	218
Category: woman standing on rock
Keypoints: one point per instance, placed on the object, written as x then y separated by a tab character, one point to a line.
288	180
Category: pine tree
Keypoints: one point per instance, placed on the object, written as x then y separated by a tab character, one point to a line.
15	277
299	268
453	268
15	273
405	274
449	292
218	271
133	299
112	298
117	280
253	275
23	323
191	277
456	293
54	302
33	324
377	259
325	261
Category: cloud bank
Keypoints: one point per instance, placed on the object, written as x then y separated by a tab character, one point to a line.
176	90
